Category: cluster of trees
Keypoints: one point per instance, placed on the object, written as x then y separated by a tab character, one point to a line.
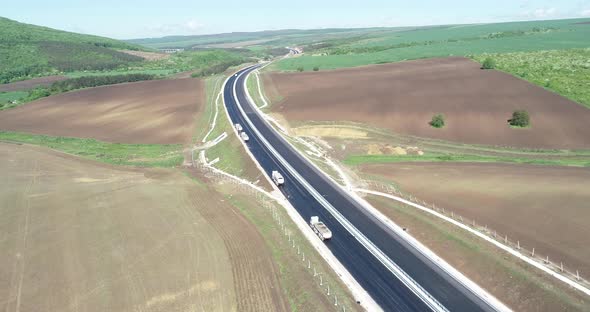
23	71
520	118
217	68
488	63
95	81
83	82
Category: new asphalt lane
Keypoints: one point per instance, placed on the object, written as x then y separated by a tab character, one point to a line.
387	290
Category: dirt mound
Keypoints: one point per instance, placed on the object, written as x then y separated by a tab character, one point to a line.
158	112
404	96
31	83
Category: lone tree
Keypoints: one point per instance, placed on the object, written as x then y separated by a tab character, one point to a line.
488	63
300	68
316	68
520	118
438	121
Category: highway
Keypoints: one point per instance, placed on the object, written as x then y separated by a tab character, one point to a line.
367	248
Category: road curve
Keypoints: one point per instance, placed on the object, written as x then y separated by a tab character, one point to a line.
365	264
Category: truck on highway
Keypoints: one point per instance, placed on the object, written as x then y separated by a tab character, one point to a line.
277	178
238	127
319	228
244	136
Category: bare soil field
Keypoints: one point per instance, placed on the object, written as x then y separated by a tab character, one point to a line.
81	236
404	96
31	83
148	112
543	207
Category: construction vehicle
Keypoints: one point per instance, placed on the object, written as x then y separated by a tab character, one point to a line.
238	127
277	178
244	136
319	228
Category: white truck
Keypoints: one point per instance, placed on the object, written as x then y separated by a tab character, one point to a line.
238	127
244	136
319	228
277	178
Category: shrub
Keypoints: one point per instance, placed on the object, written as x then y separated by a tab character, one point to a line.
488	63
316	68
438	121
520	118
300	68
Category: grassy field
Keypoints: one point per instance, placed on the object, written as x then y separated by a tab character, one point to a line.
566	72
143	155
354	160
7	98
393	46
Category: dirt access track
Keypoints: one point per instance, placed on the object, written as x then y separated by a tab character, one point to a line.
541	206
404	96
146	112
76	235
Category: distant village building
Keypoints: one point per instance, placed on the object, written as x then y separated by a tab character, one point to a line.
169	51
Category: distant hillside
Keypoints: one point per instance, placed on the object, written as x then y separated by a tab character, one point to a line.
28	51
277	36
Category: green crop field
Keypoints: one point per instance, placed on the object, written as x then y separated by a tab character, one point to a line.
466	40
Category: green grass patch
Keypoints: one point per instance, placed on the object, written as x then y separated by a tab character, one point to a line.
143	155
354	160
12	95
12	99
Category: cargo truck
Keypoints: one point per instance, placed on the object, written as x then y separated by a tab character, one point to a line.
319	228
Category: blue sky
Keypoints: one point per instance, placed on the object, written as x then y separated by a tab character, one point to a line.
151	18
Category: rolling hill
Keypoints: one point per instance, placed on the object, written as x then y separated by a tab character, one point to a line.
28	50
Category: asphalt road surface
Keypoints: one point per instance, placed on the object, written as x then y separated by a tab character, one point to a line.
383	286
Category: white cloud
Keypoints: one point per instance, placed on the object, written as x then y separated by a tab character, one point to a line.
544	12
193	25
189	27
585	13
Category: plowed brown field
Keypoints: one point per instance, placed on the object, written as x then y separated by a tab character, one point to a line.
76	235
404	96
156	112
543	207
